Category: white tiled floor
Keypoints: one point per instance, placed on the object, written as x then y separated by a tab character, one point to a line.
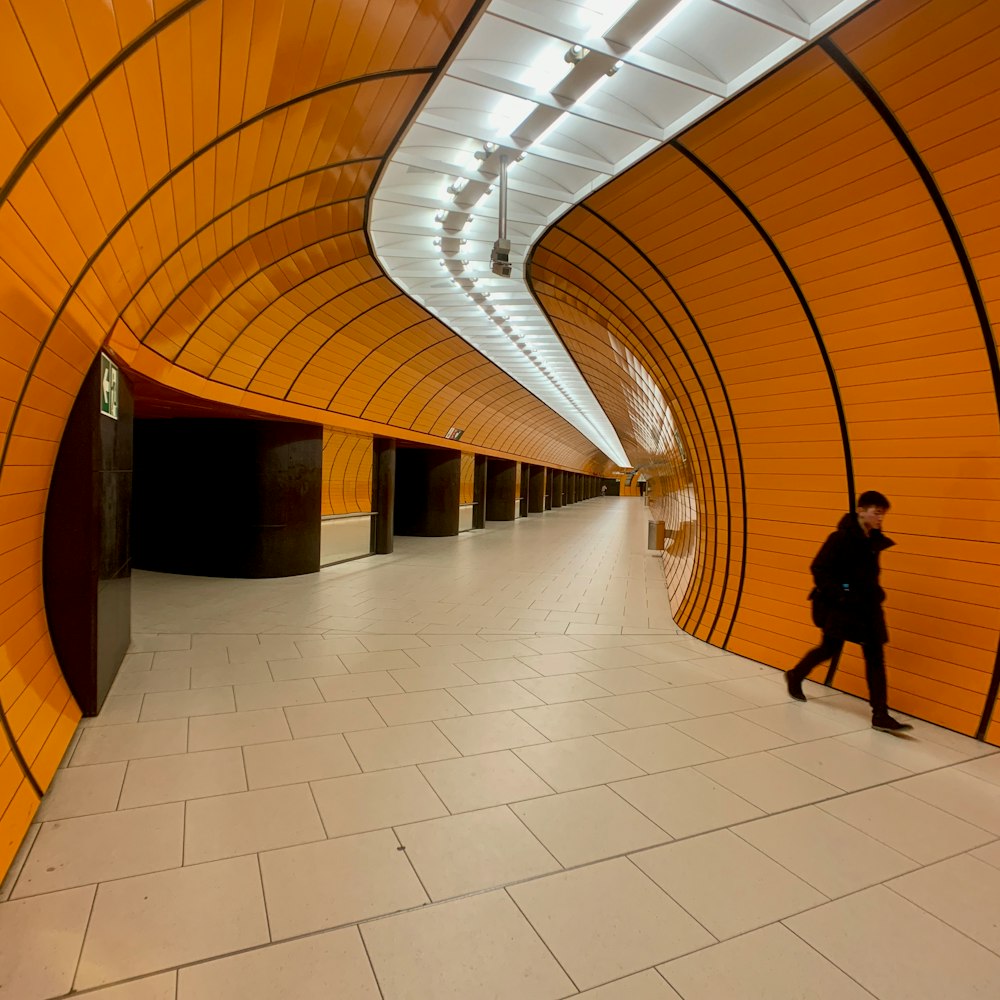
488	766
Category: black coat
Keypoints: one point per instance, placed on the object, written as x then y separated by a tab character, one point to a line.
847	599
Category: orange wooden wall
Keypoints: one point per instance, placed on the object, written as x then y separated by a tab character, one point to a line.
809	277
185	184
467	485
347	472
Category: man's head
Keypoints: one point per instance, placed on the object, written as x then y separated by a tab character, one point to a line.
871	508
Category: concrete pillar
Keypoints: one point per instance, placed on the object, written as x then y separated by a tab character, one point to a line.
501	480
479	492
383	493
536	489
429	482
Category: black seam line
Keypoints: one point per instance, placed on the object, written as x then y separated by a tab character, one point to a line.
333	333
806	309
262	192
246	326
561	295
691	598
857	77
28	157
715	424
403	399
253	319
71	291
233	289
444	387
18	756
398	368
642	352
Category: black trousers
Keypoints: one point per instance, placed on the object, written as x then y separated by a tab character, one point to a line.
874	668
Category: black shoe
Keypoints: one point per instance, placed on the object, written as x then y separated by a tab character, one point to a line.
794	686
887	724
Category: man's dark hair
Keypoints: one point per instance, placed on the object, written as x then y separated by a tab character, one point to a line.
872	498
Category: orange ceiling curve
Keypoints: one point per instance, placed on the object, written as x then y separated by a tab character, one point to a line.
810	280
185	184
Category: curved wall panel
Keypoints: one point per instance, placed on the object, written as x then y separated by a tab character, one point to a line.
186	184
347	472
810	278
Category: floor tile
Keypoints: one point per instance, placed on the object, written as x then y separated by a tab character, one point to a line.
963	891
88	849
766	964
40	942
355	686
228	674
703	699
649	985
389	659
479	850
183	776
725	884
961	794
104	744
226	826
800	723
571	764
158	987
896	950
730	734
365	802
329	646
904	823
623	680
438	655
116	710
908	752
155	642
420	706
314	968
307	666
607	920
684	802
568	720
484	733
496	697
502	957
612	658
553	644
335	882
380	642
839	764
590	824
986	768
557	664
80	791
309	759
430	678
215	732
332	717
827	853
759	691
153	922
767	782
183	704
144	682
659	748
398	746
489	671
277	694
485	780
640	709
566	687
498	649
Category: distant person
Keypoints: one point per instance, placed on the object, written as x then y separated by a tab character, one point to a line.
847	604
604	491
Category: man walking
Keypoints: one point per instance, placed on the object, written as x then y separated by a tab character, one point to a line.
847	604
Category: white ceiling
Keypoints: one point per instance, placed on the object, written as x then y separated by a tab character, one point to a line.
566	128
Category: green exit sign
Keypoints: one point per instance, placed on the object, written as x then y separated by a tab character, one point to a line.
109	387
